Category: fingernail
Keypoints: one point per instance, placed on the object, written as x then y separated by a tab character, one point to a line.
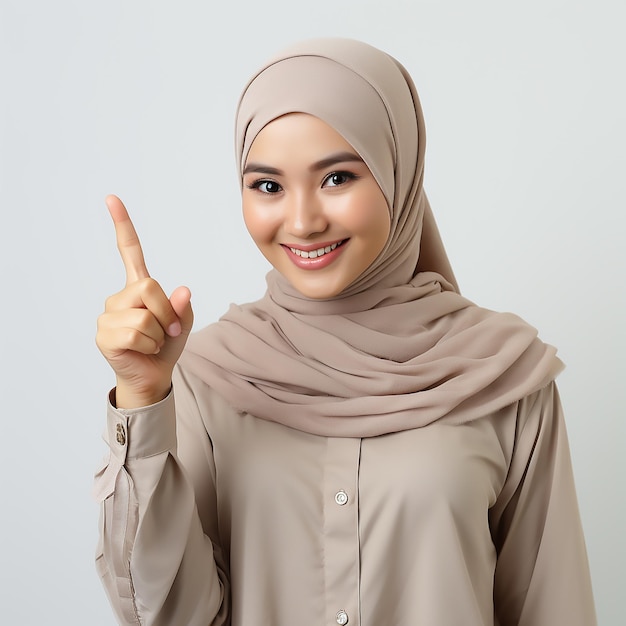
174	329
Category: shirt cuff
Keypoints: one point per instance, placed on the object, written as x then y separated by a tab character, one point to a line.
142	432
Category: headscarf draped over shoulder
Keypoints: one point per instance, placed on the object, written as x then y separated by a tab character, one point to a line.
400	348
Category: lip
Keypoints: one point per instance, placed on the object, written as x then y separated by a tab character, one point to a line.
318	262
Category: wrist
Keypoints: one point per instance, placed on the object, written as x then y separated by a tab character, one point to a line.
125	397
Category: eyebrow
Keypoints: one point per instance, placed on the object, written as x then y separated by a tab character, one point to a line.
332	159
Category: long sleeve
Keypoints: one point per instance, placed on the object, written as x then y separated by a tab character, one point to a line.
212	516
542	574
155	560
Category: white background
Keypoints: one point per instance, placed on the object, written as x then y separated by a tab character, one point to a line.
524	106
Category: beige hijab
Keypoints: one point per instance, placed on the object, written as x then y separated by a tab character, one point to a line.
399	348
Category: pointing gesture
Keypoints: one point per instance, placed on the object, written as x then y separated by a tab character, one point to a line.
127	241
142	332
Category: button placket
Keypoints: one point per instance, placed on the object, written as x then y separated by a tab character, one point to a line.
341	530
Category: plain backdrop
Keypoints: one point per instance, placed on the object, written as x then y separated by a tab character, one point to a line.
524	106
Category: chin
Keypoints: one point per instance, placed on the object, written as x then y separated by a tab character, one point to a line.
323	291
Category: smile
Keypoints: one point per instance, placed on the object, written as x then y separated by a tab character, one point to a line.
313	254
315	258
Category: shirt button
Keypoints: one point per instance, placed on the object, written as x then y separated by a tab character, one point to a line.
341	498
341	617
120	434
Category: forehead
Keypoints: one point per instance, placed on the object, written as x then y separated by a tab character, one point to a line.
299	136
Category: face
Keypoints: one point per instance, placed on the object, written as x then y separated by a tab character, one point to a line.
312	206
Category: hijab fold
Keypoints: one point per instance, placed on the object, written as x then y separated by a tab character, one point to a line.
400	348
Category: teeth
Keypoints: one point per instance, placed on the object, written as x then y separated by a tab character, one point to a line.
313	254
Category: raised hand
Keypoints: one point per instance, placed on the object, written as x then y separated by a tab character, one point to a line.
142	332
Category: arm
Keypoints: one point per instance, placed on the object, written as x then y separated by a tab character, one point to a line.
154	558
542	574
156	562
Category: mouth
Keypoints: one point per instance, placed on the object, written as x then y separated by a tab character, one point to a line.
314	256
316	252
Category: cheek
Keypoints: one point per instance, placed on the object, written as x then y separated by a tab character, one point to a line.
368	216
260	220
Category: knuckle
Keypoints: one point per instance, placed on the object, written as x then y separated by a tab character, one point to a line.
104	322
109	303
100	326
142	321
133	337
103	338
145	321
149	286
116	301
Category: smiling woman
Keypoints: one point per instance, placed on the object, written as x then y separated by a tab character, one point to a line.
321	219
362	445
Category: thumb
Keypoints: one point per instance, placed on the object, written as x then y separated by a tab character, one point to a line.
181	303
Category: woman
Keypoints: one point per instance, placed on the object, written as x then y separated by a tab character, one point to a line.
363	445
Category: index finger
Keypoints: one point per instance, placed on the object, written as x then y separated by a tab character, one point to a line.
127	241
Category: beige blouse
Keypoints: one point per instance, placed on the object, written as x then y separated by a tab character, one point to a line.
215	517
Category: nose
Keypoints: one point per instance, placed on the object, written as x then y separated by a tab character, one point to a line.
304	216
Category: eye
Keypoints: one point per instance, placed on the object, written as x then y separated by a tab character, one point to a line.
335	179
265	186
